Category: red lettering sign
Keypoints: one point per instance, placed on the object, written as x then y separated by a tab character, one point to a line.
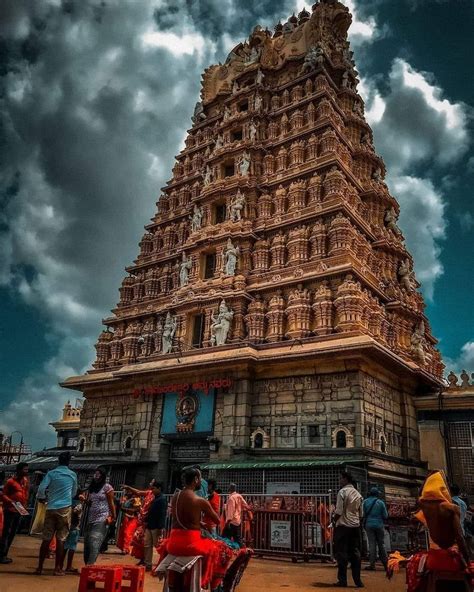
182	388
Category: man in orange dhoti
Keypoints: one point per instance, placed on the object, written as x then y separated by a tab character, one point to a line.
185	538
448	552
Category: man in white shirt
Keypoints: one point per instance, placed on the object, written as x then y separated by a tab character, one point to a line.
347	532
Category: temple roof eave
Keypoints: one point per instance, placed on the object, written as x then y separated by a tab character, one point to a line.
224	357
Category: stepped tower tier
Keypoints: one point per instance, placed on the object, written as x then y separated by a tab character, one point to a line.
275	262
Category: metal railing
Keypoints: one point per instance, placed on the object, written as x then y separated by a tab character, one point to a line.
293	526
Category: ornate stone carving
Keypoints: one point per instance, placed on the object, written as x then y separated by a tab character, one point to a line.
199	114
318	240
298	313
184	269
220	324
313	58
349	305
243	164
275	318
207	179
196	218
278	251
390	220
261	255
322	309
236	206
418	342
255	321
406	276
231	257
169	330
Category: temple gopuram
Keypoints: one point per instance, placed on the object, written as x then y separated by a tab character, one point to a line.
271	328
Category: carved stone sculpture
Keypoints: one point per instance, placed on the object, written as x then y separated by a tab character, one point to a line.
184	268
253	131
313	58
257	102
236	207
464	379
452	380
199	114
418	341
220	324
231	257
243	164
196	218
405	276
169	330
207	176
390	220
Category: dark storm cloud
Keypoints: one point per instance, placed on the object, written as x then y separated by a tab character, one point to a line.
213	18
92	116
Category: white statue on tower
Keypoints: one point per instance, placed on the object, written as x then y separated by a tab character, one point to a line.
231	257
184	269
207	176
220	325
253	131
244	164
169	330
196	218
236	208
390	220
405	276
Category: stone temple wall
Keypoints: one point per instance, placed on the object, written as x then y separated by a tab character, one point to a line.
119	423
310	412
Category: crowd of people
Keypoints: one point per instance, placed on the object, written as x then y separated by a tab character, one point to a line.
144	513
200	523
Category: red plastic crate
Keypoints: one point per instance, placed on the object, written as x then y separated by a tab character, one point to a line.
133	578
110	576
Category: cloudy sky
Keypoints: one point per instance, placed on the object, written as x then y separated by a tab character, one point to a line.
95	100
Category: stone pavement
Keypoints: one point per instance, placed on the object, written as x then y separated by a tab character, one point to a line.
268	575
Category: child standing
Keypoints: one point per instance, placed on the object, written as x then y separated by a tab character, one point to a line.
70	543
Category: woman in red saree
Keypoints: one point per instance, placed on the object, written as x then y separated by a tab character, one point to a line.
137	545
130	507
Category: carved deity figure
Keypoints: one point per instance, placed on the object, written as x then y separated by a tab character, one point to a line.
390	220
184	269
366	139
346	82
219	142
207	176
464	379
357	109
259	78
253	131
199	114
236	208
377	175
417	341
243	163
258	102
169	330
405	276
227	113
452	380
313	58
196	218
220	324
253	56
231	257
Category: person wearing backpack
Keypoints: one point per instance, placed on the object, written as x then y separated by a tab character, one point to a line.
375	514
